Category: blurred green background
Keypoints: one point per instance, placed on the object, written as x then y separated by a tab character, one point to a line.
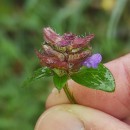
21	24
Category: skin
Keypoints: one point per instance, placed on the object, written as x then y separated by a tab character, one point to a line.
96	110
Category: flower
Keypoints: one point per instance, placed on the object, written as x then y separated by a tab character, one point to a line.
66	52
93	61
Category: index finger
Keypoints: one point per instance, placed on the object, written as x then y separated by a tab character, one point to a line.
116	104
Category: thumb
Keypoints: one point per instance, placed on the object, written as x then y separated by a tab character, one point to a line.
76	117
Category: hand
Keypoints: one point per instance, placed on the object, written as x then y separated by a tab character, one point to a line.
97	110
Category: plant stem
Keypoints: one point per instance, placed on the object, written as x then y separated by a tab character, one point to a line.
69	94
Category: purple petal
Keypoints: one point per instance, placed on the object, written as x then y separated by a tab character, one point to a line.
93	61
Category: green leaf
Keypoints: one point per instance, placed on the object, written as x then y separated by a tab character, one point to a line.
39	73
99	78
59	81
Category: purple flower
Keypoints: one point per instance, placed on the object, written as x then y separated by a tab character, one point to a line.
93	61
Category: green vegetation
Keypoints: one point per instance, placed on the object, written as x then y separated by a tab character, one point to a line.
21	23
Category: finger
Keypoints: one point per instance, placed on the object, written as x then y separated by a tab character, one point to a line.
116	104
76	117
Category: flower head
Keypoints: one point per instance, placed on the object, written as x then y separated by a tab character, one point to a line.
66	52
93	61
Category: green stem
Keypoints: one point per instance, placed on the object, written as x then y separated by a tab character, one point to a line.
69	94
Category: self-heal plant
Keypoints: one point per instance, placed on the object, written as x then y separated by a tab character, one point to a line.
70	57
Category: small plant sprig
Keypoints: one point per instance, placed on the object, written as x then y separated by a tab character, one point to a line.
70	57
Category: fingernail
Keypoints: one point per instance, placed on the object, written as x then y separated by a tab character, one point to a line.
59	120
56	98
55	91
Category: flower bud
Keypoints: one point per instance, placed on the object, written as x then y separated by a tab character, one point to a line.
66	52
